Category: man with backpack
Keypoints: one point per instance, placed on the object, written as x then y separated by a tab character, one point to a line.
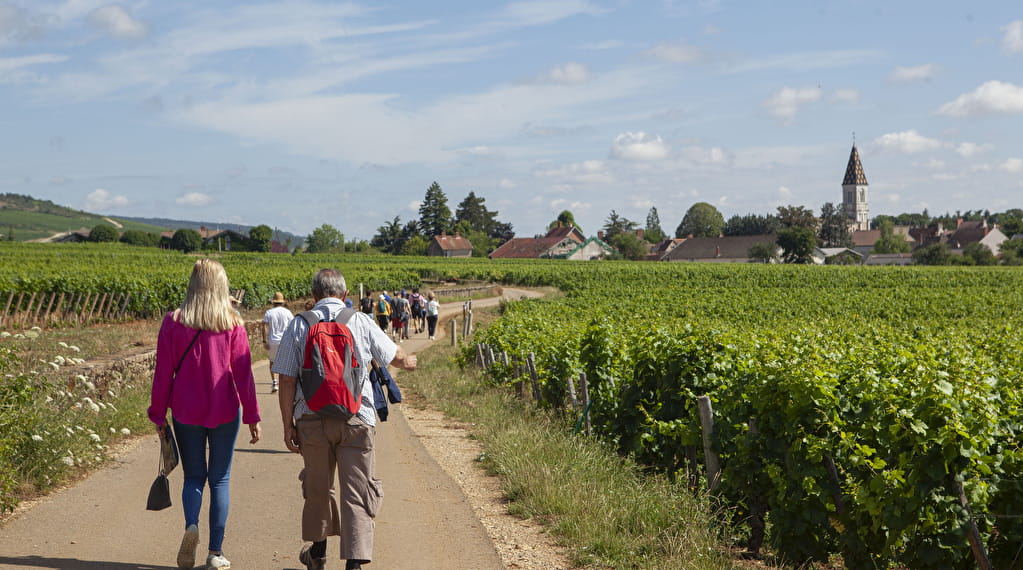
418	306
329	416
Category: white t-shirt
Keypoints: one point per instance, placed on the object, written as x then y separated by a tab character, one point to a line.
277	320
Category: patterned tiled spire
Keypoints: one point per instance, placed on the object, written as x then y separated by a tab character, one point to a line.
854	172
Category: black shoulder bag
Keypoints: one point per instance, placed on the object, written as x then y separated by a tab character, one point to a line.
159	491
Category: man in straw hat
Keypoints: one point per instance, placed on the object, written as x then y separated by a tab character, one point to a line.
275	321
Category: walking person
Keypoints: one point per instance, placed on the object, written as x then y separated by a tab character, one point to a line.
203	372
326	442
275	321
382	311
418	307
400	317
432	314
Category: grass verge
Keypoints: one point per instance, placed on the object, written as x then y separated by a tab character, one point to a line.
599	504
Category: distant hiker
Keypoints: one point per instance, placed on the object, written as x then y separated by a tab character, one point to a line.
235	305
382	311
366	303
325	440
203	372
417	304
275	321
400	317
432	313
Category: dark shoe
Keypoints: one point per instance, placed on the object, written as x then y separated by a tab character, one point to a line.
355	564
311	563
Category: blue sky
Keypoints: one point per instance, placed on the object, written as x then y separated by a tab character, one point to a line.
300	113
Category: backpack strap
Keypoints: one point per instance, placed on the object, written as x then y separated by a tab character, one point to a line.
311	317
345	315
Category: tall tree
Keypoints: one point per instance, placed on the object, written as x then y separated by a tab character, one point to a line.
629	246
502	232
260	237
140	238
434	214
103	233
701	220
653	232
834	228
751	225
473	210
615	224
388	237
565	218
186	240
796	217
325	239
889	242
934	254
797	245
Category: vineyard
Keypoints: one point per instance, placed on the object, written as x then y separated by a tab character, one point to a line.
868	412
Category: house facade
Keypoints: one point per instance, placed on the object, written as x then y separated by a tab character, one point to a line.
722	249
559	242
449	246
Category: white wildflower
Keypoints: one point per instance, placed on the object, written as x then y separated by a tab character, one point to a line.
59	360
102	406
90	385
94	436
111	394
37	438
48	399
94	407
69	461
5	334
125	431
54	365
74	348
31	334
19	336
113	431
36	329
111	406
81	378
62	344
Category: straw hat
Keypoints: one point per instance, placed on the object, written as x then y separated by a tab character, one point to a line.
278	298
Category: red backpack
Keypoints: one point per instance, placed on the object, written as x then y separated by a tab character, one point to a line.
330	375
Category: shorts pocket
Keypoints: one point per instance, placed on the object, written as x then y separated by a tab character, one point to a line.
374	497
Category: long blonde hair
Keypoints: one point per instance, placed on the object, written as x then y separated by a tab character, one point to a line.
207	304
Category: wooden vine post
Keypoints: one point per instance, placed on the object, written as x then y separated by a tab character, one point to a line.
586	403
709	455
533	376
454	331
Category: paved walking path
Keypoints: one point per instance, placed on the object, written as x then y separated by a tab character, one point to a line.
101	522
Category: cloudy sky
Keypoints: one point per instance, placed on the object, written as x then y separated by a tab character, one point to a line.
299	113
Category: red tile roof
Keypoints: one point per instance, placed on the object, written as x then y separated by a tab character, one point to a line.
454	242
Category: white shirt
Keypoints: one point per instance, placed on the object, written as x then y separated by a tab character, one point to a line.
277	320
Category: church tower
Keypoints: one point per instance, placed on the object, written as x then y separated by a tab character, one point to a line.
854	193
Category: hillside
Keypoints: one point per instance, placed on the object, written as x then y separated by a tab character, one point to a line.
280	236
28	218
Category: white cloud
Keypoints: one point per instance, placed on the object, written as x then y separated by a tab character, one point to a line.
991	97
639	146
1012	40
604	45
969	149
506	184
414	205
933	164
1012	165
100	200
915	73
786	103
806	61
676	52
8	64
58	180
705	156
850	96
116	21
784	192
578	173
907	141
196	199
539	12
711	30
569	74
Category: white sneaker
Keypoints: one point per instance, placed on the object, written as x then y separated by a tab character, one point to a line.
186	553
217	562
273	388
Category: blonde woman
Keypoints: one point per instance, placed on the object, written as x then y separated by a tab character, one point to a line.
203	372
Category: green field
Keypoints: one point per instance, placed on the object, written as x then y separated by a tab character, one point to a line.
855	408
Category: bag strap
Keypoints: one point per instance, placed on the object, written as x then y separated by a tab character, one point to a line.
184	354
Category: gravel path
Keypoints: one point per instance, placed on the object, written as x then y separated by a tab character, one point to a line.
440	510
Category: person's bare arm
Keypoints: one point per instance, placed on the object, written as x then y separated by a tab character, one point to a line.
286	398
404	360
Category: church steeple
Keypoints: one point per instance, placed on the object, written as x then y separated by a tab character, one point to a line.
854	172
854	193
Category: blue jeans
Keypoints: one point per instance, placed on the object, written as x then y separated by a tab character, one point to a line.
192	442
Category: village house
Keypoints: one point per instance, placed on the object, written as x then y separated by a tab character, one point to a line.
721	249
559	241
449	246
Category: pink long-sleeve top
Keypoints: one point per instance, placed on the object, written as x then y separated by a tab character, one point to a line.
214	378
